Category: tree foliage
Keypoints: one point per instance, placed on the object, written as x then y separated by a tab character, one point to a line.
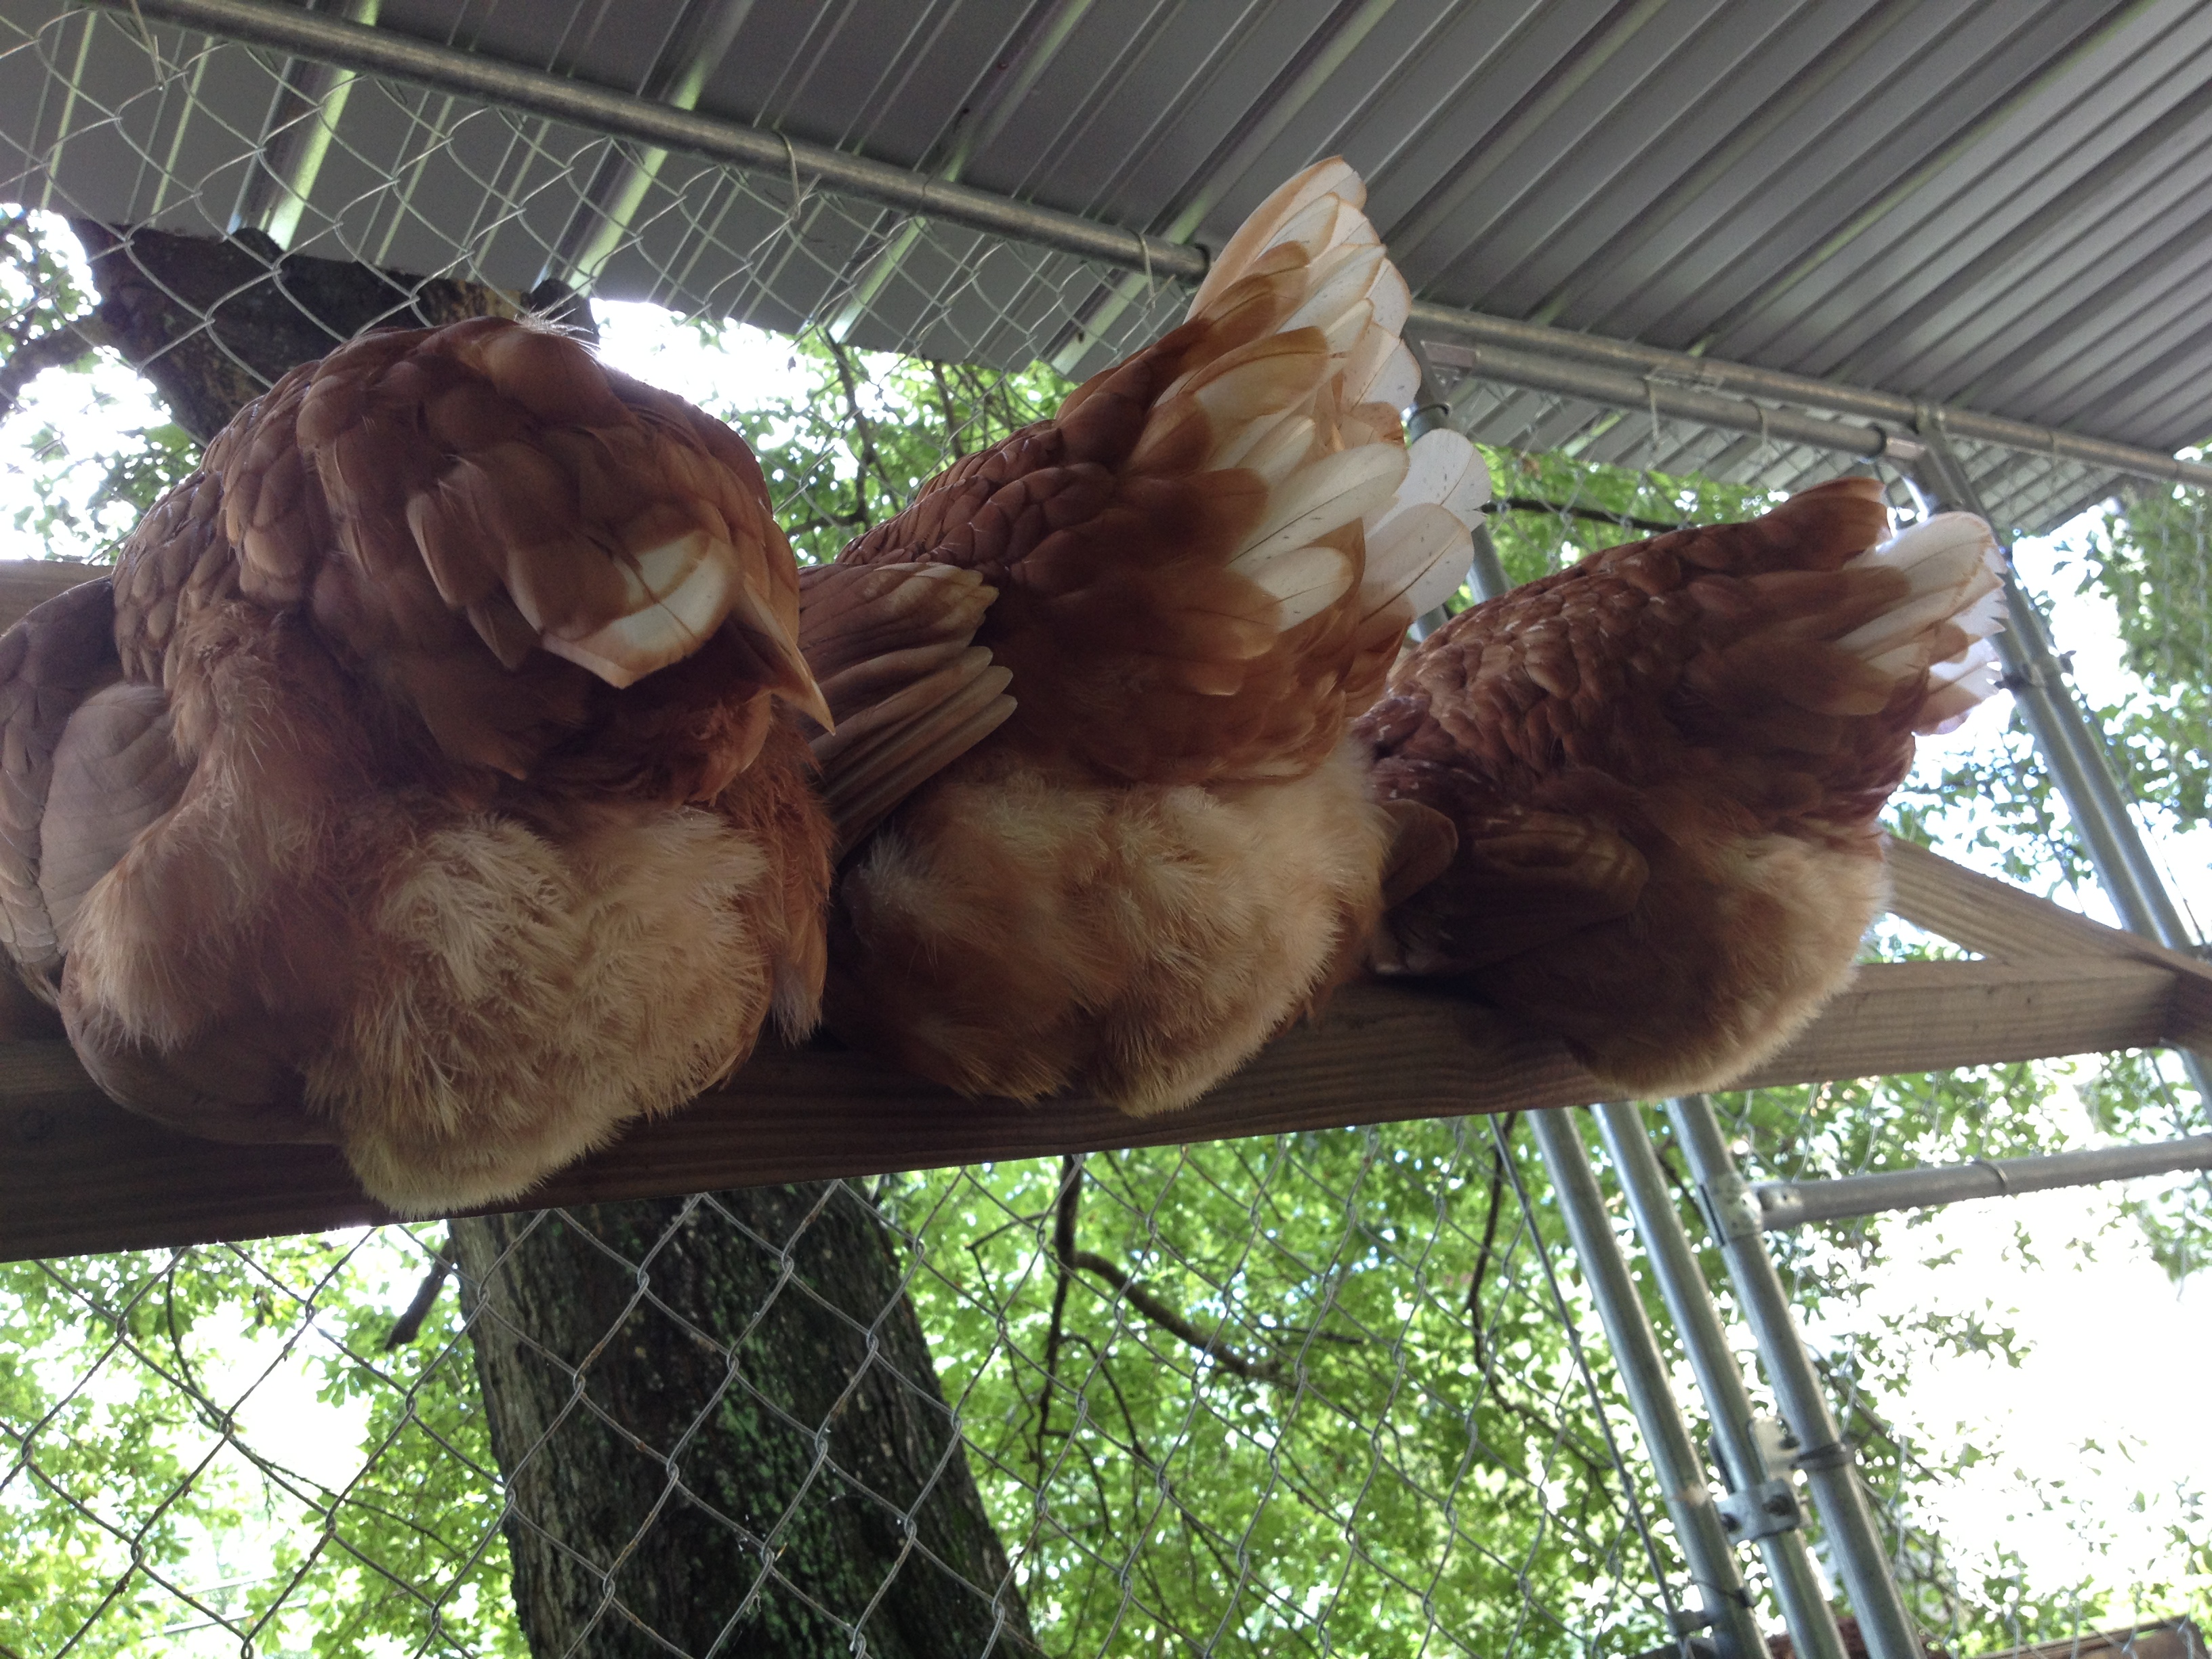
847	441
2151	556
1300	1395
215	1437
74	500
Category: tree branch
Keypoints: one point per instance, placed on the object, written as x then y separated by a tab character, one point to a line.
1489	1237
408	1325
1063	1251
1253	1371
1569	510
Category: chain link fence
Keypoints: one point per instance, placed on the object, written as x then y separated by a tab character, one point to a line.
1336	1392
1333	1393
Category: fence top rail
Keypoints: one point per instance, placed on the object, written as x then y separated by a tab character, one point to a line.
387	53
1787	1204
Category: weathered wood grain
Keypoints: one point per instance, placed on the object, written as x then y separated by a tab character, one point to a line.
1985	914
28	583
79	1175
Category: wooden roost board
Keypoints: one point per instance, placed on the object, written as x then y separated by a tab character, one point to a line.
80	1174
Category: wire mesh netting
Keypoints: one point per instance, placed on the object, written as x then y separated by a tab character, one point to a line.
1330	1393
1327	1393
127	124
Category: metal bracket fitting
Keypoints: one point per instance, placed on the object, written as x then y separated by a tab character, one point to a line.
1731	1208
1897	447
1760	1511
1833	1455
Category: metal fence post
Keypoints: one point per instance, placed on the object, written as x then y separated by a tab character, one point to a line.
1827	1462
1788	1564
1486	576
2069	744
1784	1204
1643	1374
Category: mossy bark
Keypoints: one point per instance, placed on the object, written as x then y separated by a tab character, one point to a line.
722	1432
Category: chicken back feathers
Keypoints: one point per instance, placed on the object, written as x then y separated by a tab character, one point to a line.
419	780
1192	576
1664	765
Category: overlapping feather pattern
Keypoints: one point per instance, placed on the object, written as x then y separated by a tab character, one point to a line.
1201	569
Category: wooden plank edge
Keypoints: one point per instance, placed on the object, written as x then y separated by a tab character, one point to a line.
2002	921
81	1176
26	584
1994	917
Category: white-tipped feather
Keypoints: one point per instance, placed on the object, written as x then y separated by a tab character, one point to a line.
1284	446
1333	491
1395	380
1340	282
1906	621
1900	660
1392	300
1365	364
1419	558
1260	232
682	593
1931	537
1950	705
1238	445
1352	228
1442	467
1978	655
1305	582
1985	615
1345	328
1957	578
1416	508
1417	544
1250	391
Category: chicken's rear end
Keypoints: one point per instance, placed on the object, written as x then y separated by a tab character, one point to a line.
1665	765
423	781
1201	570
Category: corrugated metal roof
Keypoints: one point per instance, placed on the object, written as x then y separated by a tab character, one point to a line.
2001	203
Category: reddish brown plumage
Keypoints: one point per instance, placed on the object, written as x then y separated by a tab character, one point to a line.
1136	652
1165	852
431	789
1664	765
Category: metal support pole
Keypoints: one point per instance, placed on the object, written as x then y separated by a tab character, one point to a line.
1643	1374
386	51
304	121
2069	743
1783	1204
1486	576
1827	1462
1771	1516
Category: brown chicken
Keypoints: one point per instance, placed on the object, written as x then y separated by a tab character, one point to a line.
1193	577
1664	766
424	779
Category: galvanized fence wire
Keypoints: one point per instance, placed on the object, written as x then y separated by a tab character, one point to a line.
150	128
1333	1393
1321	1394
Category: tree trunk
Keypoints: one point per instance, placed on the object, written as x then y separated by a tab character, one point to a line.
722	1432
212	322
718	1419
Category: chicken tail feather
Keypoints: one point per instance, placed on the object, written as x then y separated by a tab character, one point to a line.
1944	625
554	504
910	690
